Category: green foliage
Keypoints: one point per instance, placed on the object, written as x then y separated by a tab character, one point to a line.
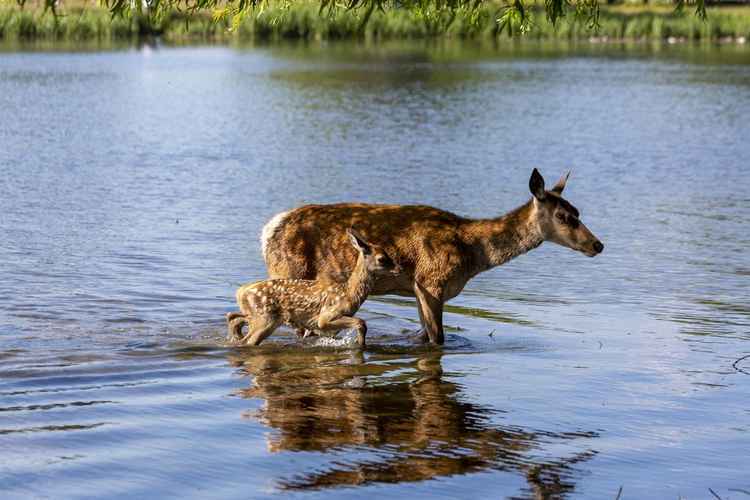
435	16
304	20
515	19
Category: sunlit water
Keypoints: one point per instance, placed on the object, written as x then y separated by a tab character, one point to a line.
133	186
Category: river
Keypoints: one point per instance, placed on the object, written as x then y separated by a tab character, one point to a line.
133	187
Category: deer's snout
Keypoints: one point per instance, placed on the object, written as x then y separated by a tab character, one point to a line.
598	246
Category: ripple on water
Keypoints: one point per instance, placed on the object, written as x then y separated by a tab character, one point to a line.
123	241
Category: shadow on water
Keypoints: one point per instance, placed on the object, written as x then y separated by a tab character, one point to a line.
475	312
390	418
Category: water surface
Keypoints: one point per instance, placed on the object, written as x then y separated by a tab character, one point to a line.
133	186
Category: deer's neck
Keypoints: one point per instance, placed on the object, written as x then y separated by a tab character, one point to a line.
496	241
359	284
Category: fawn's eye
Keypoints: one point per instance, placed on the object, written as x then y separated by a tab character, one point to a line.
561	217
384	261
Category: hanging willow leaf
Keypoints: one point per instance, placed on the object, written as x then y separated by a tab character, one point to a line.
700	9
51	6
555	9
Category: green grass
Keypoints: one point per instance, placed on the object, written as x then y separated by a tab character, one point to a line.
97	24
302	20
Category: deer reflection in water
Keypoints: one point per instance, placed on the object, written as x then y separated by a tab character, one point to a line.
399	406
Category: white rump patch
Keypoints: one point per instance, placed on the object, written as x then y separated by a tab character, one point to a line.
268	231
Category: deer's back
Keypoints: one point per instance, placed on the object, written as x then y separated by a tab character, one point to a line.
310	241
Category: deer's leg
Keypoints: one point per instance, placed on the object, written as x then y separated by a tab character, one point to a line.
303	333
422	336
234	315
335	325
235	321
260	328
234	328
431	312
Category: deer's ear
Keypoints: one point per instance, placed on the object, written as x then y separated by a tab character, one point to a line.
536	185
358	242
558	188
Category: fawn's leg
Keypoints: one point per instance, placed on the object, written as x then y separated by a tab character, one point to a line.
235	322
258	329
303	333
431	312
335	325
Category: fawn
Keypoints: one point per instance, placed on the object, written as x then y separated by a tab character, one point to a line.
438	252
314	305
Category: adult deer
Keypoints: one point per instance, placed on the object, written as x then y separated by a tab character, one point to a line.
438	252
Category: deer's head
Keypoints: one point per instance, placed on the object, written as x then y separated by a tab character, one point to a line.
376	261
559	220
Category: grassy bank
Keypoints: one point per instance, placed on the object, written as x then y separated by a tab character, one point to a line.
303	21
97	24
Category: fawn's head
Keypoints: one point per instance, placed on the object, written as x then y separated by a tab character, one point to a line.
559	220
376	260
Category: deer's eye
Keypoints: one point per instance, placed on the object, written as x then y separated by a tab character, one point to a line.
561	217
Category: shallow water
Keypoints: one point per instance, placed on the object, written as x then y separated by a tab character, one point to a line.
133	186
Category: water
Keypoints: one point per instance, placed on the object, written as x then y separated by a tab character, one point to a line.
133	186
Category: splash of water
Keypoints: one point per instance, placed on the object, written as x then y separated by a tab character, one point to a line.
344	339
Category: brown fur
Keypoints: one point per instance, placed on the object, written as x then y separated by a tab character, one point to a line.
437	251
319	304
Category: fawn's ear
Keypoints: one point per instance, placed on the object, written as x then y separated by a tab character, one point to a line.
536	185
359	242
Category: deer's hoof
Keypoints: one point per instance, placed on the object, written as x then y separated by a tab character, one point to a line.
421	337
361	342
303	333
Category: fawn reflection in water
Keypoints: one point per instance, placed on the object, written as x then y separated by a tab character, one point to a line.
401	407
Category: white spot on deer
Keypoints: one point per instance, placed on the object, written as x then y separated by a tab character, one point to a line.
269	230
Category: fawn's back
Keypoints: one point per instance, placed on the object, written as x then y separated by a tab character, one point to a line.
293	302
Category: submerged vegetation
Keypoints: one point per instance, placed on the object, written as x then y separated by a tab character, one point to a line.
304	20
